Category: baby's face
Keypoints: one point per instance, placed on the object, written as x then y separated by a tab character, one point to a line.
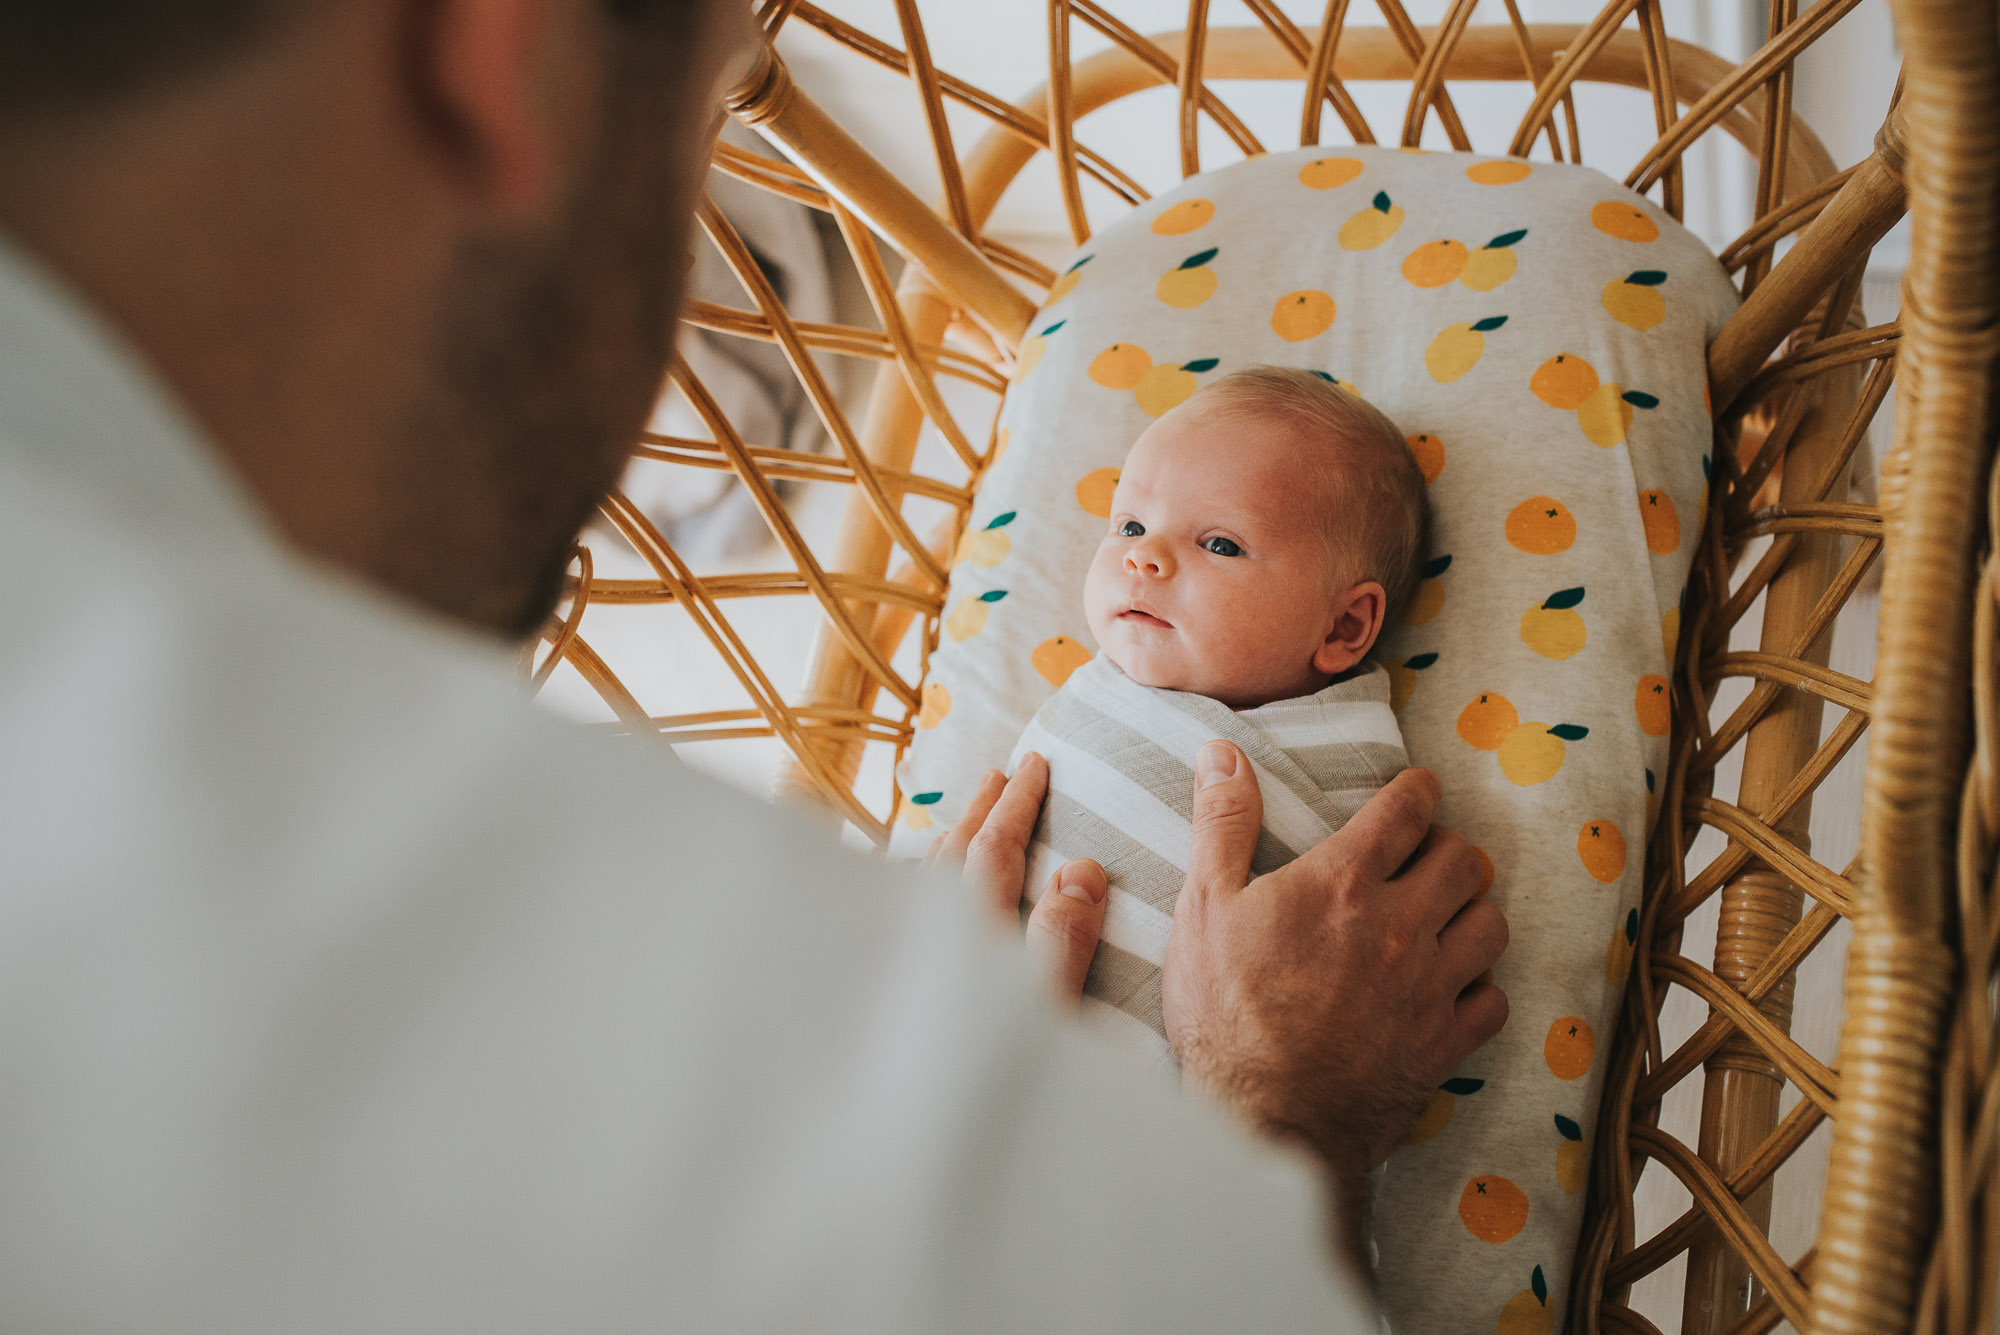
1215	576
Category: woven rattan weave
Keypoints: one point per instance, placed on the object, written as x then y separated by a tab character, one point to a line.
1910	1228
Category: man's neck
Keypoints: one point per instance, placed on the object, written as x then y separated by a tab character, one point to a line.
242	300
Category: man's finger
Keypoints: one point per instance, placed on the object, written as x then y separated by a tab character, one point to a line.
1068	919
1388	828
996	856
1228	811
950	849
1481	1013
1440	879
1470	943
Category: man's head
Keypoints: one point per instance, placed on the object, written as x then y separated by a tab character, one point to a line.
413	263
58	55
1260	535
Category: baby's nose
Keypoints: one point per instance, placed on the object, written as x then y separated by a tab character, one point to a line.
1148	558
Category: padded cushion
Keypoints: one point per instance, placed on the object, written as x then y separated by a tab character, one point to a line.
1540	333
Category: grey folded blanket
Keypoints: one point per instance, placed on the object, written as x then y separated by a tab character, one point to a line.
1121	788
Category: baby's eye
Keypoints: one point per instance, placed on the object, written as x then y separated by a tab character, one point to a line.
1222	547
1131	528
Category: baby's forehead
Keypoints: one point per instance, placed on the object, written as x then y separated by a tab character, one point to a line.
1239	450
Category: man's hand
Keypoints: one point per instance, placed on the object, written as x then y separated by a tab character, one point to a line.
991	839
1325	1001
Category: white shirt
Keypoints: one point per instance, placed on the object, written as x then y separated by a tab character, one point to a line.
343	990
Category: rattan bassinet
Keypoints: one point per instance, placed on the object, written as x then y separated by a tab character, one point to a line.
1909	1234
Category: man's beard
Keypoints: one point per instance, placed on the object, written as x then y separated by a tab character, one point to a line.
550	352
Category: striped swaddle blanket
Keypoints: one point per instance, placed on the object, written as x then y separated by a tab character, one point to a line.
1121	789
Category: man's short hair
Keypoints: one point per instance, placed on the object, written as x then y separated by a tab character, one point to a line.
59	55
66	55
1378	490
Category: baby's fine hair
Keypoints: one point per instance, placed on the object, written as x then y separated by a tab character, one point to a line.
1381	491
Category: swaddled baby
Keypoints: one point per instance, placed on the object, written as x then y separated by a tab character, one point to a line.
1260	535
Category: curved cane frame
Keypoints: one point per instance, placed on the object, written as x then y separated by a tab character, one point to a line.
1795	378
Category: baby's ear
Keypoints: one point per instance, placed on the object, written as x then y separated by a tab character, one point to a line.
1358	612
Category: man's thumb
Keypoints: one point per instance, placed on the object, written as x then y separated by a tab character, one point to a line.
1228	811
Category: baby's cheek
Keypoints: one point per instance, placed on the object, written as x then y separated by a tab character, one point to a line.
1224	605
1261	623
1095	595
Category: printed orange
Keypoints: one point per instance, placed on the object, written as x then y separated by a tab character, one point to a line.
1458	348
1492	1208
1373	225
1166	386
1635	300
1485	723
1434	1118
1055	659
1563	381
1541	526
1618	955
1093	492
1569	1047
1327	173
1492	264
1625	221
1553	628
1403	678
1184	217
1501	171
1301	315
1428	451
1437	1113
1189	283
1435	263
1120	366
936	704
1066	284
1654	703
1662	521
1602	849
1606	414
1527	1312
1572	1156
1533	752
1428	600
1032	348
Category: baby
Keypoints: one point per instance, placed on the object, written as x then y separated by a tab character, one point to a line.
1260	535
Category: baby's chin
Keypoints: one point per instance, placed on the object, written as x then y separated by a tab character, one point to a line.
1138	670
1149	667
1150	670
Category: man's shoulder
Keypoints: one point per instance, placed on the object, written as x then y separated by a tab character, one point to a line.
193	689
530	995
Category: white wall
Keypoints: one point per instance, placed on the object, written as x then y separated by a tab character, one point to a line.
1843	88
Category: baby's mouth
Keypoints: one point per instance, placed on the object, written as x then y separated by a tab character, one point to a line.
1144	618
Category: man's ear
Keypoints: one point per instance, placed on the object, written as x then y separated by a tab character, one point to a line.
1358	614
514	92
